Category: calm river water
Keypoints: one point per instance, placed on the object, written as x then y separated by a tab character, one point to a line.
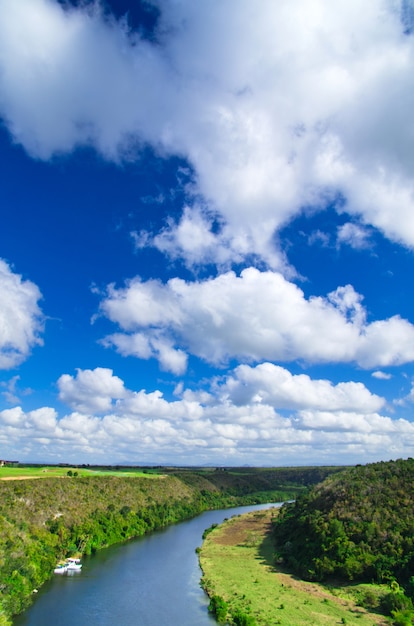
150	581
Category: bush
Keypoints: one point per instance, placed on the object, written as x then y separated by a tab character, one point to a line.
396	601
4	621
219	607
403	618
369	600
209	530
242	619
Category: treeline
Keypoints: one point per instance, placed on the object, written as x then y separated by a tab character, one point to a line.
248	480
45	520
356	525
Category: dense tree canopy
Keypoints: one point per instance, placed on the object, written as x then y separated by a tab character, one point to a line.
357	524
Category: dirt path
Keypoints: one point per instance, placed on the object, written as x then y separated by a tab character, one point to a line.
18	477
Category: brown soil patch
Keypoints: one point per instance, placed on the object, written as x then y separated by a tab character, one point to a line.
240	529
18	477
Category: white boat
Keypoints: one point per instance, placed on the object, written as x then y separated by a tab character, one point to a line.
69	566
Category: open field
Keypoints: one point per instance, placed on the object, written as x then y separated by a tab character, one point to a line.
237	563
25	473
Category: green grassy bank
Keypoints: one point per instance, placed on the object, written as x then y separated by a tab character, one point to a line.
246	589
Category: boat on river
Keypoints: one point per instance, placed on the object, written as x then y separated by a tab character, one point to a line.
74	565
70	565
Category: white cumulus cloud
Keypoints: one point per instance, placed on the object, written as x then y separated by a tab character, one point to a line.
91	390
293	105
21	319
224	426
271	384
255	316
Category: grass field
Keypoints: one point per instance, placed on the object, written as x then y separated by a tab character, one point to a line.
24	473
237	563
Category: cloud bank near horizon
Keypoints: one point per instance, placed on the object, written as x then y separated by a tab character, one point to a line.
263	410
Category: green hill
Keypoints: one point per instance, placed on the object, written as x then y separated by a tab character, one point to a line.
356	525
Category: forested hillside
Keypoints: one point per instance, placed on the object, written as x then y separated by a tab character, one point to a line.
357	524
44	520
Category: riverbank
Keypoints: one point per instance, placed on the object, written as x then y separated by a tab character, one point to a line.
237	563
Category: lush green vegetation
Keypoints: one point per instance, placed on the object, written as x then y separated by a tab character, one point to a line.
356	525
246	589
43	521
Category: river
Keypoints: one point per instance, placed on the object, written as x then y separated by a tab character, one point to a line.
149	581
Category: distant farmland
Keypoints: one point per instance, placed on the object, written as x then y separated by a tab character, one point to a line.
52	471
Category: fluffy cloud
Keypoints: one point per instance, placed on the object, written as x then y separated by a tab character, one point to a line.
290	106
40	421
221	426
256	316
381	375
147	346
191	238
91	390
274	385
21	320
353	235
354	423
54	92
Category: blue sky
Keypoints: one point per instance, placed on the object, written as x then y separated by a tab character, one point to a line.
207	231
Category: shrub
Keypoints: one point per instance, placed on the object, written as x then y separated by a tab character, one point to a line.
396	601
209	530
369	600
403	618
242	619
219	607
